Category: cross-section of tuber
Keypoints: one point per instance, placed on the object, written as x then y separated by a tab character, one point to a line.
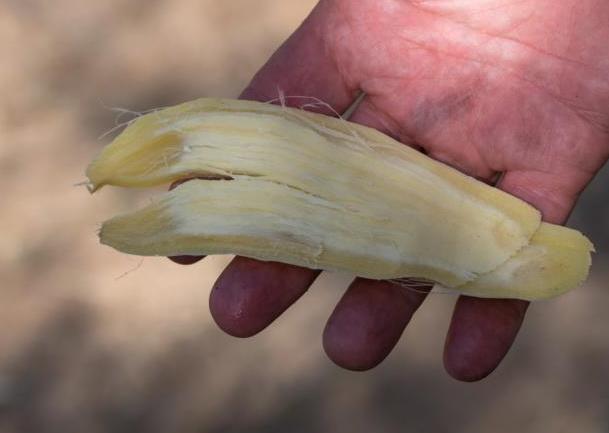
321	192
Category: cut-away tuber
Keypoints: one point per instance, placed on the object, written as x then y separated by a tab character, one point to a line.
324	193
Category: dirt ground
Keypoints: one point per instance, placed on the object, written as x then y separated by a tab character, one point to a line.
96	341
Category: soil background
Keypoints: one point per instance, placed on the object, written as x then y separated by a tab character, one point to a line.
96	341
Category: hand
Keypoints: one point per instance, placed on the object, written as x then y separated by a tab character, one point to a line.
487	86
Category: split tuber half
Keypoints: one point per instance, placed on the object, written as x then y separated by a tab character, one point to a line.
321	192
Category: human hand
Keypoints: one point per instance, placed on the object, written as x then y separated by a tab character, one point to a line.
488	86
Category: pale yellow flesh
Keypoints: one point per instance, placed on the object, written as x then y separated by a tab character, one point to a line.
556	260
324	193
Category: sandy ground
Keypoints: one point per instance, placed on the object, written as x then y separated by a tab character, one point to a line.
87	346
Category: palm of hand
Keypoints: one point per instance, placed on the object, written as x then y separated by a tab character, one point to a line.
487	86
490	87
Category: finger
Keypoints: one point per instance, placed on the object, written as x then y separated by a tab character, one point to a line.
483	330
368	322
250	294
480	334
370	318
553	194
185	260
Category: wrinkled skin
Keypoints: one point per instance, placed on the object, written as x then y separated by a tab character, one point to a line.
488	86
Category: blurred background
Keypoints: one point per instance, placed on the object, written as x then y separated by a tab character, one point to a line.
96	341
